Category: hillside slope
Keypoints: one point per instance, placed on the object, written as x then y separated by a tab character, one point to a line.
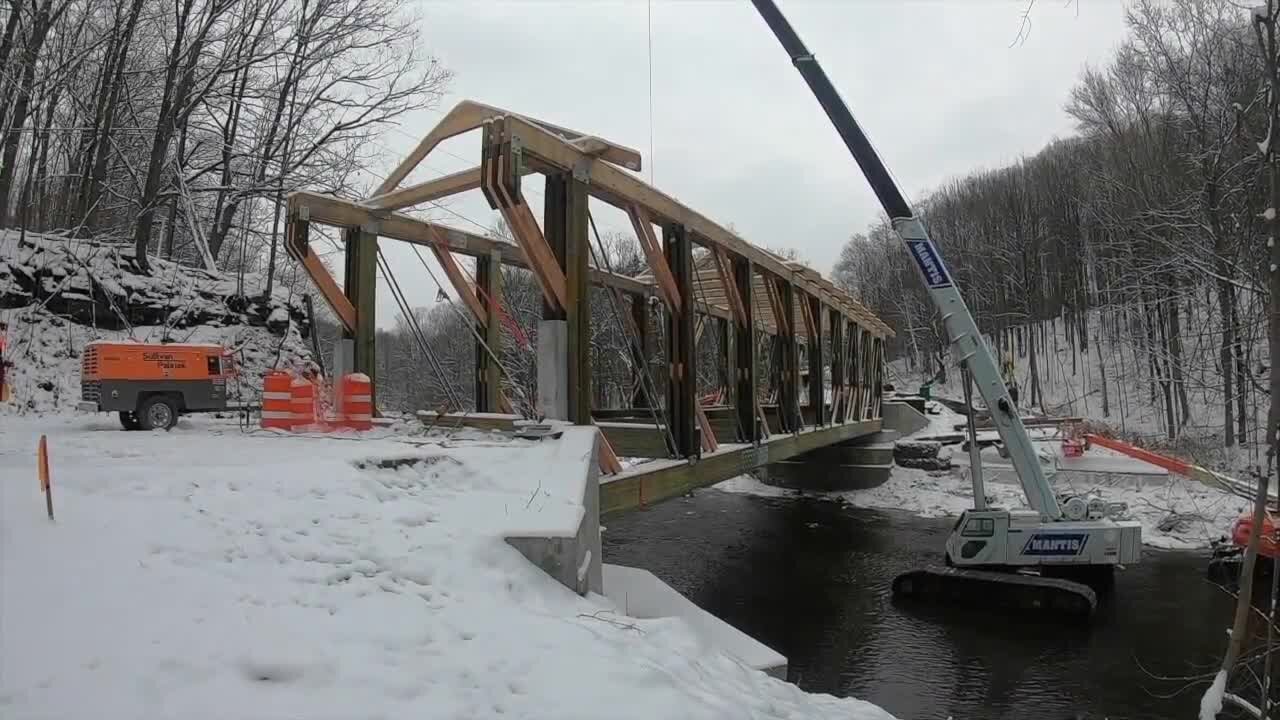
56	294
1111	384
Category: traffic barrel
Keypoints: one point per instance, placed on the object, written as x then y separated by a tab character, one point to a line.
277	400
356	395
302	394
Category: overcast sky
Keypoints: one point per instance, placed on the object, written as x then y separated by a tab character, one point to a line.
736	134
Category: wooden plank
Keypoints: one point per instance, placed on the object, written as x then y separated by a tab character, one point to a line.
653	254
440	187
460	284
644	440
724	275
328	288
657	481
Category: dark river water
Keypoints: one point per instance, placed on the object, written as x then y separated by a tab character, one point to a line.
810	578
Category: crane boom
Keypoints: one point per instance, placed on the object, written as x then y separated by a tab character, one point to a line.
967	344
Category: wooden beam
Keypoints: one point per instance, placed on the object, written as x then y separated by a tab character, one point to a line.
361	289
660	480
622	190
338	212
298	247
460	284
488	374
469	115
817	384
440	187
789	397
682	370
745	350
653	254
577	299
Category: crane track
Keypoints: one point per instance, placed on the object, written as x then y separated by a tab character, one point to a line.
997	590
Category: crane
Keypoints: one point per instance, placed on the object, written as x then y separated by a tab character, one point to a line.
1060	536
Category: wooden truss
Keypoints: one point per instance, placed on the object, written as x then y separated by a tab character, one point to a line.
743	288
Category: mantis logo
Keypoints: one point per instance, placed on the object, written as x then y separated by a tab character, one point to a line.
926	256
1055	544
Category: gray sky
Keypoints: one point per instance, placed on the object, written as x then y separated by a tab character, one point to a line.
736	133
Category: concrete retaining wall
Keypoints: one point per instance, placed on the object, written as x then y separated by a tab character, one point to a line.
903	418
574	557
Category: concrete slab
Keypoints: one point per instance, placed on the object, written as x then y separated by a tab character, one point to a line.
641	595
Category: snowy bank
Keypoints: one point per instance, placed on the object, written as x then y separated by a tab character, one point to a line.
1175	512
210	573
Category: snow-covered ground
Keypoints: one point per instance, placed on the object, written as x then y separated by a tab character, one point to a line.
210	573
1175	512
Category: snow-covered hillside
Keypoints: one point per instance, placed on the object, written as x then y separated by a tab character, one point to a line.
210	573
57	294
1110	384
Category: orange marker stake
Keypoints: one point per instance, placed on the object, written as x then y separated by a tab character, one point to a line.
42	462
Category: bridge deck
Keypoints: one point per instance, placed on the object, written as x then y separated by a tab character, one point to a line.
662	479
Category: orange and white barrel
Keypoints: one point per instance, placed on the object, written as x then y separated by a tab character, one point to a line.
303	402
277	400
356	408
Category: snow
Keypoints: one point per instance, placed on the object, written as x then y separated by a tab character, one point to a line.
1176	513
210	573
278	316
1211	701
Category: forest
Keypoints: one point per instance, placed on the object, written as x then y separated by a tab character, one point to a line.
1143	235
180	126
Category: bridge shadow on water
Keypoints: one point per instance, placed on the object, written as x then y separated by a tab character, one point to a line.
810	578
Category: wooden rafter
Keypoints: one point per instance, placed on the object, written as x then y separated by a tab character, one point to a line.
469	115
730	288
298	245
653	254
460	284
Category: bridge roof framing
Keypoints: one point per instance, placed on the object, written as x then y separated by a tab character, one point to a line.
547	148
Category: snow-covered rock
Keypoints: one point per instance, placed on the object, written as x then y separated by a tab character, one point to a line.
57	294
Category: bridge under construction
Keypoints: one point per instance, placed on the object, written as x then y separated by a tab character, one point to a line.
825	350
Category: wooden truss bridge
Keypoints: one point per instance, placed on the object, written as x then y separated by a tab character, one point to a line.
827	348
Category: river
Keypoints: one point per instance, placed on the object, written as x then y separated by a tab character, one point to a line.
810	578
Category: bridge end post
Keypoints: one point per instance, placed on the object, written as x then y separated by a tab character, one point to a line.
360	287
